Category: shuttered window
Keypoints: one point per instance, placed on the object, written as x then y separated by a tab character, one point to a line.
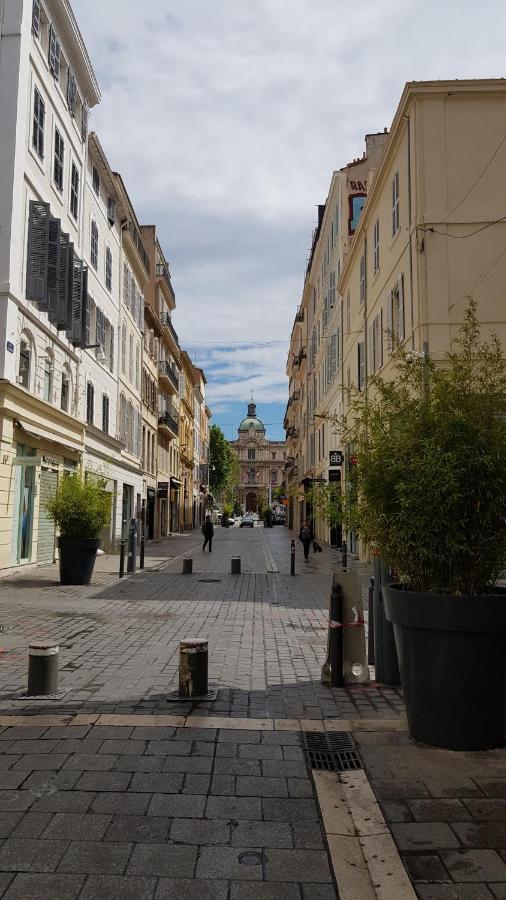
100	329
111	210
64	392
74	191
361	365
54	53
90	403
123	349
95	180
362	280
137	366
53	271
36	17
71	93
105	413
25	356
131	359
84	122
59	157
108	268
395	204
111	348
94	245
39	118
37	251
376	246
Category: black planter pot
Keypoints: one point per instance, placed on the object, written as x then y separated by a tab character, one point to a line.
452	659
77	559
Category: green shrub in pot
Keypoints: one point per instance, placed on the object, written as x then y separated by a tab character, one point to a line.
428	492
80	509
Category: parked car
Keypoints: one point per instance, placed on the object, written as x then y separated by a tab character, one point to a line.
247	522
278	520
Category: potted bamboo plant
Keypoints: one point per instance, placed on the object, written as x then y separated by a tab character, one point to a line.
80	509
428	492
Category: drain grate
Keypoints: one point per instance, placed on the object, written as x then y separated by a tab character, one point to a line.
333	752
209	580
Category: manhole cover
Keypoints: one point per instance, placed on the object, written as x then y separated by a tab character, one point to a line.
209	580
250	858
333	752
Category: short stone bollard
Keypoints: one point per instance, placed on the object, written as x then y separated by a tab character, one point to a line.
43	660
193	668
187	565
236	565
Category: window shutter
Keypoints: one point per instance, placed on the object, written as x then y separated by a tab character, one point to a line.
71	93
126	286
85	113
36	17
37	252
53	268
105	413
389	321
90	403
98	326
111	210
54	52
141	311
58	315
402	332
370	350
111	348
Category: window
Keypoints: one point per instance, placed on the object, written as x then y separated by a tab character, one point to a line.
274	476
84	122
108	268
71	93
54	53
377	343
362	280
64	403
111	210
395	203
105	413
90	403
376	245
361	366
94	245
131	359
137	365
348	314
39	116
274	456
74	191
251	454
123	349
395	314
36	17
59	155
48	378
96	180
24	364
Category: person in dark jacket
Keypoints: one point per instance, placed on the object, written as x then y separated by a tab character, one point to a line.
306	536
208	532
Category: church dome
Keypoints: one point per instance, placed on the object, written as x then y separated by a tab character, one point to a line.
251	422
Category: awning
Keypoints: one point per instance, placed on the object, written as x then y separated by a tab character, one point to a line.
176	481
41	435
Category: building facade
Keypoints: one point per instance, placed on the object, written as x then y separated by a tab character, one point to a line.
262	462
430	234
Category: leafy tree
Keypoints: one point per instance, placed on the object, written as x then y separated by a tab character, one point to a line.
220	459
428	490
327	502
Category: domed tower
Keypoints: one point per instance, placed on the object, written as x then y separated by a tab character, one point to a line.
251	423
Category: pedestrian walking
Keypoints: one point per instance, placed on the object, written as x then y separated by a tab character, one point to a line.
208	532
306	536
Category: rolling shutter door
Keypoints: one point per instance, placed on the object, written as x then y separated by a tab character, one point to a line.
46	529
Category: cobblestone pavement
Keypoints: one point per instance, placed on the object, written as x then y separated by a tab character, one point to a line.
222	813
119	640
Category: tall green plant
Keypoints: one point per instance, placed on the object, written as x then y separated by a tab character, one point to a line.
327	502
429	487
81	507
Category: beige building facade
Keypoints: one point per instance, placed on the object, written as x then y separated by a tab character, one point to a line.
430	235
262	462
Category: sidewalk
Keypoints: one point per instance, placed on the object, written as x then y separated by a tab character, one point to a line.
116	792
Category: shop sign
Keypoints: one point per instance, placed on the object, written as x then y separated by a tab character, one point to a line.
10	347
53	461
336	458
334	475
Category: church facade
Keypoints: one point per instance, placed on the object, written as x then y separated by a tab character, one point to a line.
262	462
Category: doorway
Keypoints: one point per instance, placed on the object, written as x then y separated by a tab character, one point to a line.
251	502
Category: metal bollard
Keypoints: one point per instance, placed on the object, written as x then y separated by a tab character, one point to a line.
236	565
370	624
344	551
193	666
187	565
336	637
132	547
122	552
292	558
43	660
143	534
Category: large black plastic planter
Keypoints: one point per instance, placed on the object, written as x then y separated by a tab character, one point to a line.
77	559
452	659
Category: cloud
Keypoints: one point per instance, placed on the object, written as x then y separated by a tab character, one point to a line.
227	119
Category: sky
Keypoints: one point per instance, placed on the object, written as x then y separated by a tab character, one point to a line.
226	120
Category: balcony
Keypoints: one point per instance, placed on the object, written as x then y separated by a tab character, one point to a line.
168	423
169	375
139	246
162	272
166	323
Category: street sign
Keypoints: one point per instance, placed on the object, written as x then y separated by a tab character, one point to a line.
336	458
